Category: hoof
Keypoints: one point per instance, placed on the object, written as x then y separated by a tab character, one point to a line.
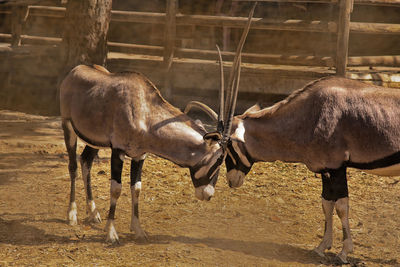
112	236
72	214
142	237
341	259
73	221
318	252
72	218
95	218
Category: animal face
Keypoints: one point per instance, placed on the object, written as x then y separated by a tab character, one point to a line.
205	173
238	163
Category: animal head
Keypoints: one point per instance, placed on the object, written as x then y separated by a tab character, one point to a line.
238	162
205	173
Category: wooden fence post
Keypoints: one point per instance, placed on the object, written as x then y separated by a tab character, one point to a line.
19	16
169	45
342	45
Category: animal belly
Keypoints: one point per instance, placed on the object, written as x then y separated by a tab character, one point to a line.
393	170
92	138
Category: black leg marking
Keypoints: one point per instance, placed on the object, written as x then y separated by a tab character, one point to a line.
345	235
116	171
334	184
136	176
116	165
111	212
136	171
70	143
87	158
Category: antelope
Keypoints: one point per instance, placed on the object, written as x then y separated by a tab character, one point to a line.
330	125
126	112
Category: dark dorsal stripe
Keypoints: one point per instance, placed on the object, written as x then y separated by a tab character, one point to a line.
87	140
376	164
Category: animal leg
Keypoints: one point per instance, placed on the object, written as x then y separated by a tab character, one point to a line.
70	143
136	185
326	243
335	190
342	209
87	158
115	192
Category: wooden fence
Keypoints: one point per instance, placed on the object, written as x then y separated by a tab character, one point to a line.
186	73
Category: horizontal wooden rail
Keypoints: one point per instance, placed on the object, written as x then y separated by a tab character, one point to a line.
378	2
358	2
47	11
272	59
373	61
361	2
235	22
374	28
292	1
225	21
29	2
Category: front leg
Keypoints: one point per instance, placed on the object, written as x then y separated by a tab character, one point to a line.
136	185
115	192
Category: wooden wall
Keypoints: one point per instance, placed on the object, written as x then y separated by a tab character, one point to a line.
290	43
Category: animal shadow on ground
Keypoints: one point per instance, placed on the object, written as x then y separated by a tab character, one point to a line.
19	232
270	250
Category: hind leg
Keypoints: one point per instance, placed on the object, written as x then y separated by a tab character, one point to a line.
326	243
70	143
115	192
87	158
335	195
136	186
342	210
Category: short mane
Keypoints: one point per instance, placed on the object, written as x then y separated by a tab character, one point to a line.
284	102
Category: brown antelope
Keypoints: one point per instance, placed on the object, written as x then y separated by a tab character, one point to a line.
125	112
329	125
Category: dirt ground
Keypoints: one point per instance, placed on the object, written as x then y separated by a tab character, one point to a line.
274	219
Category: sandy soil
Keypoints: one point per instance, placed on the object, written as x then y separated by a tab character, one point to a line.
274	219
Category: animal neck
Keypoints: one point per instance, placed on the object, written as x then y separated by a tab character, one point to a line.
271	137
179	139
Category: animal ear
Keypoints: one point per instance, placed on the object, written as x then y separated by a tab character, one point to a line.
212	137
200	124
252	109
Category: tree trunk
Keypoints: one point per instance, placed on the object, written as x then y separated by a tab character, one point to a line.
85	32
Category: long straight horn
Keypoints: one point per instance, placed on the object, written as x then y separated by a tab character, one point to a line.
220	126
234	77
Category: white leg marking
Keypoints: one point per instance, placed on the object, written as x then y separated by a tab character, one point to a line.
115	192
94	215
112	235
326	243
135	222
342	209
72	214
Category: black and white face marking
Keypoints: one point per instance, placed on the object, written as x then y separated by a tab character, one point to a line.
238	163
205	175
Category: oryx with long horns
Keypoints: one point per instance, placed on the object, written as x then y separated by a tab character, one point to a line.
329	125
126	112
